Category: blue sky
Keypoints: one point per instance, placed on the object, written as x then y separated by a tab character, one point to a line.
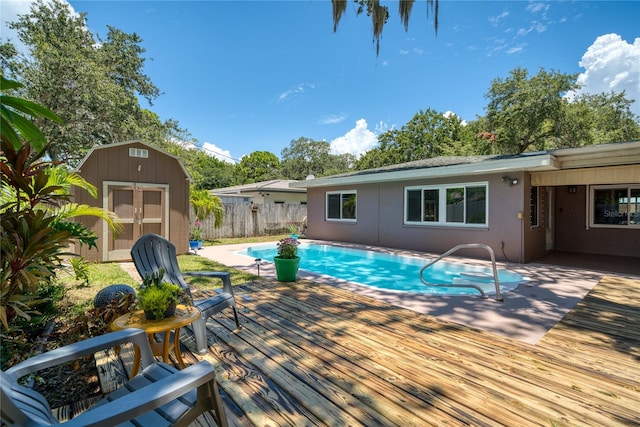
244	76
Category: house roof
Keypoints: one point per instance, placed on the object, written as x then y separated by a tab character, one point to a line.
623	153
272	186
135	141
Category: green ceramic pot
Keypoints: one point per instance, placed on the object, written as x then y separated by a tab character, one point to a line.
286	269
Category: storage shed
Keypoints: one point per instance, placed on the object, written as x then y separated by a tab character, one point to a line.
146	187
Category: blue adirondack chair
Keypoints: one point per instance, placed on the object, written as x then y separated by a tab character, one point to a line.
159	395
152	253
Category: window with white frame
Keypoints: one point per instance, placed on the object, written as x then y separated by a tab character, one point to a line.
615	206
341	205
143	153
453	204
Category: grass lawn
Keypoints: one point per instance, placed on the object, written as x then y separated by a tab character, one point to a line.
79	296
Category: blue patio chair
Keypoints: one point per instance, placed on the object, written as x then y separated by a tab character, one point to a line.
152	252
159	395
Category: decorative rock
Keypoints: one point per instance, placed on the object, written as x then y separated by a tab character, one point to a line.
108	294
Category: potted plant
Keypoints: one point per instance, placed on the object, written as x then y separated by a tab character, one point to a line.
287	260
195	236
293	230
158	299
204	205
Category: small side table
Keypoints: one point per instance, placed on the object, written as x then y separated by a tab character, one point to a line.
185	315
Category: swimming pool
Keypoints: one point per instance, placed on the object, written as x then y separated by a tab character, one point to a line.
390	271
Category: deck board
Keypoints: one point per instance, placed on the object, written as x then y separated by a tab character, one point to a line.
317	355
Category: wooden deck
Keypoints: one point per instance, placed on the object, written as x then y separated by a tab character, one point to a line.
315	355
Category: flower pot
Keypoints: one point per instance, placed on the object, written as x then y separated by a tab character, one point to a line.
193	245
286	269
293	236
171	310
200	244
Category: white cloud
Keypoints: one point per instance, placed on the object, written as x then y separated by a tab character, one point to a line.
356	141
217	152
382	127
208	148
298	89
495	19
10	9
612	64
333	119
537	7
450	113
515	49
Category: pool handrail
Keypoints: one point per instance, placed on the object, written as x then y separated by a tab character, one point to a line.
470	285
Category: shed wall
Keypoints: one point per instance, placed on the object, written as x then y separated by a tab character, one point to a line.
113	163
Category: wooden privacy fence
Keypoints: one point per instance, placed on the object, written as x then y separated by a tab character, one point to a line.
241	220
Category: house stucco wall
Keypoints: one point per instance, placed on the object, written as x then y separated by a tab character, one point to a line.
380	211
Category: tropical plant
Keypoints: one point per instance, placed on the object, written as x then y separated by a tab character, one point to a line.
288	248
155	296
196	231
34	205
15	127
205	204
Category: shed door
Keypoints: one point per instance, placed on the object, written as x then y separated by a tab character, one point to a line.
142	209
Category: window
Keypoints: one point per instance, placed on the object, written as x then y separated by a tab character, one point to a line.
139	152
615	206
462	204
341	205
533	220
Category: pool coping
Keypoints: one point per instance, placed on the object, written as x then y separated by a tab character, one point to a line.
526	313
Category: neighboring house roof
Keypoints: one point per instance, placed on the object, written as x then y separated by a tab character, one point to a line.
623	153
135	141
273	186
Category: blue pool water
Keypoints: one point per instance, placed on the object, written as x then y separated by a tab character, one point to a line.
389	271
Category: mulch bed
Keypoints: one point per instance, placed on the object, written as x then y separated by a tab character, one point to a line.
65	384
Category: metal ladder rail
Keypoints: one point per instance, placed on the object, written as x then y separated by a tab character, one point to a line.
466	246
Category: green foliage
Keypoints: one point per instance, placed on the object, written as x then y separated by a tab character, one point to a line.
599	119
80	269
258	166
156	296
30	248
288	248
305	156
92	84
428	134
78	231
206	171
205	204
524	113
34	236
15	117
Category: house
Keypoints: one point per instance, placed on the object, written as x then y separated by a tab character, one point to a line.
523	206
276	191
146	187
